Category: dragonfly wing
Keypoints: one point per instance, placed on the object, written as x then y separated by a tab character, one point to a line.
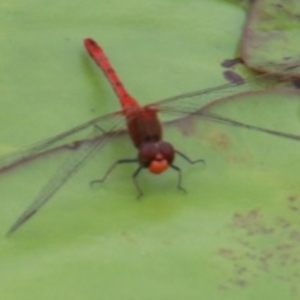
68	140
64	173
199	103
189	102
226	121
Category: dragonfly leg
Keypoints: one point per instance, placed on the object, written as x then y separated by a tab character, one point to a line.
178	170
118	162
188	159
134	177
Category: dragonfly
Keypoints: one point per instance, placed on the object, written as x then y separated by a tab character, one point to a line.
143	127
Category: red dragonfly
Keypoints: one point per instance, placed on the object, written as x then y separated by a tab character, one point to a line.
144	129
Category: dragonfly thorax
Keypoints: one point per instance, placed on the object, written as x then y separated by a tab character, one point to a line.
156	156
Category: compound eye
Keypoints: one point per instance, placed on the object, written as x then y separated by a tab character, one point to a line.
147	154
167	151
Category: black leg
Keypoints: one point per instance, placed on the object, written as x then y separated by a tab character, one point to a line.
121	161
177	169
134	177
188	159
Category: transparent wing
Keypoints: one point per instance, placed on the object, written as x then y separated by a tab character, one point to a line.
195	100
85	149
198	103
69	140
69	168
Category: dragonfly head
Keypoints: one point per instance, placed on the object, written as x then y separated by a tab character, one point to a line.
157	157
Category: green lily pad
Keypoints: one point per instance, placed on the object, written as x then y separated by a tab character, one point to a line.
233	234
